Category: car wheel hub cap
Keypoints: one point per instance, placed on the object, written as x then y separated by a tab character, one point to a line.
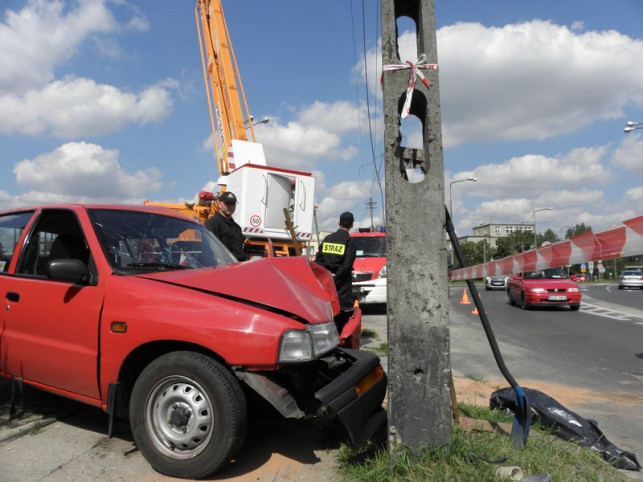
179	417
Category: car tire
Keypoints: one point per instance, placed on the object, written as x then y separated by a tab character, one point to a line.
188	415
574	307
620	287
523	302
512	302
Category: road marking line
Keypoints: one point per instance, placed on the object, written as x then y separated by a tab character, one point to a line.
598	310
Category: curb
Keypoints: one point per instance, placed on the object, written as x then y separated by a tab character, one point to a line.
26	428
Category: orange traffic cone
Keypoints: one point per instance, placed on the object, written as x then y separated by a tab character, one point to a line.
465	298
475	308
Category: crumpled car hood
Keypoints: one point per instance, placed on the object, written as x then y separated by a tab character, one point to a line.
287	284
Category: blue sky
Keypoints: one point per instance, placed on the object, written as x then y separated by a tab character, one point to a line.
103	100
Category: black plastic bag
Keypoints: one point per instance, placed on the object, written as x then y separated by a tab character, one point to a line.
566	424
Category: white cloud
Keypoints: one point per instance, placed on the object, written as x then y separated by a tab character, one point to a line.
338	117
533	174
529	80
635	195
629	155
315	136
45	34
80	107
533	80
339	198
82	172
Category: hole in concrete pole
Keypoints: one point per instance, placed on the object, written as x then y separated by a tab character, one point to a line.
406	39
413	167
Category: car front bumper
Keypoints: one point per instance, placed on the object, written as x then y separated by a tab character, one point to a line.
496	285
547	299
354	394
370	292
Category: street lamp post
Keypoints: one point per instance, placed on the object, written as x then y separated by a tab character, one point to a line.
632	126
251	122
550	208
472	179
561	231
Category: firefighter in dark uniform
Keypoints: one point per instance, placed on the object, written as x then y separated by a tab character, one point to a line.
337	254
225	228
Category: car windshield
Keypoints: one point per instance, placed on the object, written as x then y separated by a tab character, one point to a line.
549	273
632	273
370	246
141	242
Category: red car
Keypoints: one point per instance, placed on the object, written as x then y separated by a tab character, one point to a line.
141	311
544	287
579	278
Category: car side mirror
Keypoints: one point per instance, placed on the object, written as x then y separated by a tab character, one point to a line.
514	276
69	270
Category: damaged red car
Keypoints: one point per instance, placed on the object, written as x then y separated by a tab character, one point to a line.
144	313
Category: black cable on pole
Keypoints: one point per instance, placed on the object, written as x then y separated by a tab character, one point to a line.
522	418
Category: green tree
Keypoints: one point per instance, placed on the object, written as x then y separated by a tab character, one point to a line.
504	247
577	229
548	235
469	252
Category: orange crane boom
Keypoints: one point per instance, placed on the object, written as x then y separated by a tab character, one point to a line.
222	81
266	194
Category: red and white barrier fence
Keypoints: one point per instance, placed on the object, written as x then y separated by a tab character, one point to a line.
625	240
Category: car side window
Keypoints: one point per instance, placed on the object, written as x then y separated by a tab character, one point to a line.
56	235
11	229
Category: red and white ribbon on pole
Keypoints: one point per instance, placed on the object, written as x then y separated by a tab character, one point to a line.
625	240
416	71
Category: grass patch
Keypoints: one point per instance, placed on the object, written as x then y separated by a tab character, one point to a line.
543	454
368	333
381	350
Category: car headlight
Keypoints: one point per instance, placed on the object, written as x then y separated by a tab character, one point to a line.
537	290
382	272
573	290
307	344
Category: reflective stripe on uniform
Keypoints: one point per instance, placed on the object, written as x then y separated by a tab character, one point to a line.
333	248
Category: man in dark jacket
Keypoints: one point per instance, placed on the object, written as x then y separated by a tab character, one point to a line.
337	253
225	228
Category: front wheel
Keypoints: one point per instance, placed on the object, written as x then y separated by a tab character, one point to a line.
512	302
523	302
188	415
574	307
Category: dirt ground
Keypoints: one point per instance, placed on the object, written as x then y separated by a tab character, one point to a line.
477	392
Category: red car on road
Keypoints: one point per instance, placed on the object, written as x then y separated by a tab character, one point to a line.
143	312
543	287
579	278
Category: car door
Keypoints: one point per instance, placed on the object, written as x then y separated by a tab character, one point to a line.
12	227
50	333
514	286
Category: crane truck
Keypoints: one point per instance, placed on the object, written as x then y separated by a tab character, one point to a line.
266	193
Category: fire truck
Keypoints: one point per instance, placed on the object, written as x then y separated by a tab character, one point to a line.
276	205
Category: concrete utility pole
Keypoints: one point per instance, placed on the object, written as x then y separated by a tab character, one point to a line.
418	328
